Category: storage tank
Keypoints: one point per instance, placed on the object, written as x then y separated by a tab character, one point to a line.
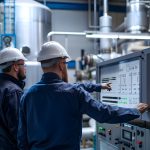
33	22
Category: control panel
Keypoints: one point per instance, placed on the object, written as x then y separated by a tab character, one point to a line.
110	134
130	78
134	138
122	137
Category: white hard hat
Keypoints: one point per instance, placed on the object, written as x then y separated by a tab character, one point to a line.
10	54
52	50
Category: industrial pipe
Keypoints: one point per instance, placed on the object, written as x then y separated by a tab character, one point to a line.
105	7
64	33
89	14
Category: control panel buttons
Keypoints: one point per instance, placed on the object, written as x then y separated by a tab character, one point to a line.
139	143
109	132
138	132
142	133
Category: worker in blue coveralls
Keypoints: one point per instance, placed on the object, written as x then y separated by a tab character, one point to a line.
51	110
11	89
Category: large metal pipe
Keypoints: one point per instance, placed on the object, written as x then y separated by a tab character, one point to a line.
105	8
106	27
149	20
137	20
90	16
95	11
50	34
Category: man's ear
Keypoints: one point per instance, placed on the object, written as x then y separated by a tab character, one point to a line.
15	67
61	66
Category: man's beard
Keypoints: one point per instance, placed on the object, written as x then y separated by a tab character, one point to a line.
65	76
65	79
21	77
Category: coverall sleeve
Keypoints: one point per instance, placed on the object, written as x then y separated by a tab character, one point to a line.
11	108
105	113
22	129
89	87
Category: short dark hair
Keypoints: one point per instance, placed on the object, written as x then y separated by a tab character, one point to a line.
7	69
50	62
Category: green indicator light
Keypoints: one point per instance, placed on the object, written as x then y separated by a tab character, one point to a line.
102	129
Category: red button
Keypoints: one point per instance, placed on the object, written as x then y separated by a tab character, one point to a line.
139	142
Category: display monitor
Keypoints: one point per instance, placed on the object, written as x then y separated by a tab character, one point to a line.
125	79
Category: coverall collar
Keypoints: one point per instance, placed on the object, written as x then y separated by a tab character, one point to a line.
21	84
51	77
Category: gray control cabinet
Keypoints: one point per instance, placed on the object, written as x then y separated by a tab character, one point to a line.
130	78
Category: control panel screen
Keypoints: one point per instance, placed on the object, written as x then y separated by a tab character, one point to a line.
125	79
127	135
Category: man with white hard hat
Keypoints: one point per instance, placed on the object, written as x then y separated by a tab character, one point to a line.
11	86
51	111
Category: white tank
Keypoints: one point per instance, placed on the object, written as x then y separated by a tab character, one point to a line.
33	22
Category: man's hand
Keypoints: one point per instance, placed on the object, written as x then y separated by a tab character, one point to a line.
142	107
106	86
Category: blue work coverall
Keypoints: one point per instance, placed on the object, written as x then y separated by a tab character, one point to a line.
51	114
10	95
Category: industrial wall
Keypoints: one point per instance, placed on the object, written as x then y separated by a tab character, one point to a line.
71	21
